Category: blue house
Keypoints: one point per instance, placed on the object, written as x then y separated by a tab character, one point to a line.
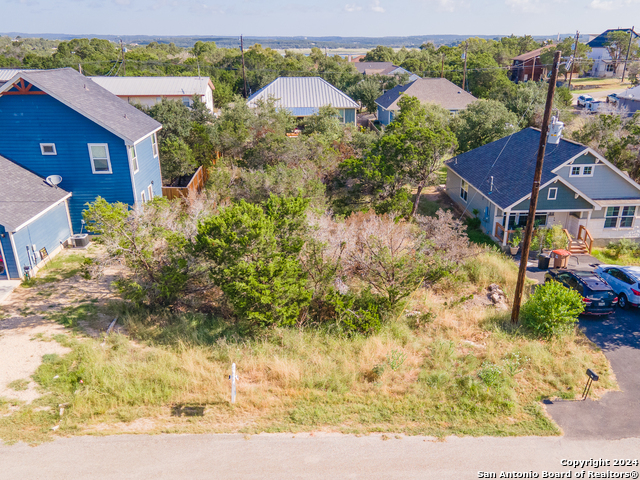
580	190
303	96
34	220
59	122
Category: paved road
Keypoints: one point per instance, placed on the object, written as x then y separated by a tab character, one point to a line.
617	414
303	457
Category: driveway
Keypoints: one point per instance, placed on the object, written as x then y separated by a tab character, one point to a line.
617	414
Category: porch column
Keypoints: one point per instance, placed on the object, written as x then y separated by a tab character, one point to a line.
588	218
506	228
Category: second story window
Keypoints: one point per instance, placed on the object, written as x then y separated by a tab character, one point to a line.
134	158
100	161
154	144
586	171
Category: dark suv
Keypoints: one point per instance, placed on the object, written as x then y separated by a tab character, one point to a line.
598	297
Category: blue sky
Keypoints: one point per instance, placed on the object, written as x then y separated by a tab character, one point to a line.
316	18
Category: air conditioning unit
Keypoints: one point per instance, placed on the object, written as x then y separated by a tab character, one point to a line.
80	239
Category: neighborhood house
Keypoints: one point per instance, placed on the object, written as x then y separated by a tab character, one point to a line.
303	97
386	69
603	66
579	190
439	91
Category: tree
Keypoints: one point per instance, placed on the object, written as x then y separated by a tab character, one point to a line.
367	92
380	54
482	122
617	44
581	62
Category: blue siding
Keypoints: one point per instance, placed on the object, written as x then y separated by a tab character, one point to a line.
28	120
565	200
149	170
9	261
46	231
349	115
384	116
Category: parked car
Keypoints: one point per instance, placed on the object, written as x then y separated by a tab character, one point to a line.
584	99
612	99
593	107
624	281
598	296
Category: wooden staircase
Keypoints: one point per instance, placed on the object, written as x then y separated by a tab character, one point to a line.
580	245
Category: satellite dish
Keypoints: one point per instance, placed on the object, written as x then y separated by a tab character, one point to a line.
54	180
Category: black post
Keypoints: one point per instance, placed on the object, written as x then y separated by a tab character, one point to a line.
624	70
575	52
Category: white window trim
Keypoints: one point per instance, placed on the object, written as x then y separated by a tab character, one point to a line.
42	145
154	145
587	174
581	171
133	155
555	193
619	218
150	190
143	197
93	167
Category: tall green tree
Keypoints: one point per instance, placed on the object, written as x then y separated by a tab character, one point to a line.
581	63
483	122
617	44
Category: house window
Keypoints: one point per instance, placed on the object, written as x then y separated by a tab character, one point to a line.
99	154
610	67
464	190
341	115
143	197
186	101
552	194
619	217
134	158
150	190
154	144
586	171
48	149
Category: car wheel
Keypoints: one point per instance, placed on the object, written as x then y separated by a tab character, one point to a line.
623	303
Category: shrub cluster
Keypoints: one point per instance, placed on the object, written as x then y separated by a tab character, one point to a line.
552	310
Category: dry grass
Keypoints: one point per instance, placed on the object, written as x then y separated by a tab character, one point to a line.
424	373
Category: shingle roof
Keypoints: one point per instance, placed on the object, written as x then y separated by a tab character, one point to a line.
532	53
631	94
601	39
428	90
363	67
23	195
303	92
93	101
514	168
143	86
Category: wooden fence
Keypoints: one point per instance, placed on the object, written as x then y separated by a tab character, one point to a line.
195	185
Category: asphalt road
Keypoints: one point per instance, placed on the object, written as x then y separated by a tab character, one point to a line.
617	414
303	457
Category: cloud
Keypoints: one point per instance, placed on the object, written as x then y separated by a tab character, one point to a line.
448	5
528	6
352	7
376	7
611	4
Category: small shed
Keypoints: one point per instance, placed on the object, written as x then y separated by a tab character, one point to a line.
630	100
34	220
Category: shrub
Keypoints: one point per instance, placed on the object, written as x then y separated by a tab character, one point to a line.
552	310
625	246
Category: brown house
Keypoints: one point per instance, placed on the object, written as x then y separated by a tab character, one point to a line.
527	66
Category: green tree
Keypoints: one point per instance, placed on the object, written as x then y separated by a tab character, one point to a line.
367	92
380	54
483	122
581	63
617	44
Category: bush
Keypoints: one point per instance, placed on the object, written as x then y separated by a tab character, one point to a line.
552	310
623	247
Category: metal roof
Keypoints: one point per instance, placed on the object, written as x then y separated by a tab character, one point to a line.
7	74
601	39
151	86
428	90
23	195
511	162
533	53
303	92
91	100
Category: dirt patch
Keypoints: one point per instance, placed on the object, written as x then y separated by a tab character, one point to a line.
23	342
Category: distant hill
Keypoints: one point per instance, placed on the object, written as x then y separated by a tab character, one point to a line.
280	42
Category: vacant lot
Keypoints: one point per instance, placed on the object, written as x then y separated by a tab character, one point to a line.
449	364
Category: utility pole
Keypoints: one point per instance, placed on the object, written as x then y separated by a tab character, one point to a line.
624	70
124	60
442	68
526	241
464	71
244	75
575	53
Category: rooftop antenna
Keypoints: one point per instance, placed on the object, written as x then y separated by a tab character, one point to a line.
53	180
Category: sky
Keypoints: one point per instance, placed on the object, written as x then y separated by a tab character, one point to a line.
370	18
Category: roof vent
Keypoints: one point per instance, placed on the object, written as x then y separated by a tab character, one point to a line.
53	180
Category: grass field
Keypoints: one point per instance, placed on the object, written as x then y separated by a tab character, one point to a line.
449	364
606	256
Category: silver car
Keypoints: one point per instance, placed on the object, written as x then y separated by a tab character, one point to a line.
584	99
624	281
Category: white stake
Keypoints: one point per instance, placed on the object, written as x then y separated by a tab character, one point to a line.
233	378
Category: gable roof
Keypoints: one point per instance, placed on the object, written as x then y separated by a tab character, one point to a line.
370	68
92	101
428	90
24	195
302	94
601	39
631	94
514	166
532	53
148	86
7	74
